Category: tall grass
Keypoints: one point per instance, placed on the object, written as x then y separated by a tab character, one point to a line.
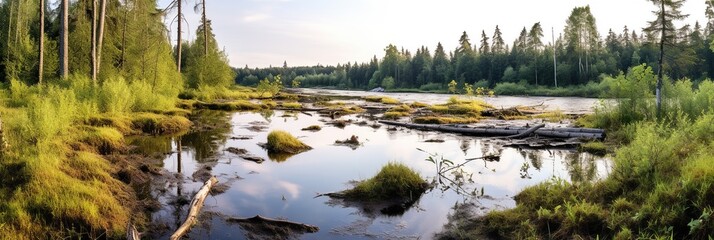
55	185
662	182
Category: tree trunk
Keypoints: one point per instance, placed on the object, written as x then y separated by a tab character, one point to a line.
511	132
94	42
658	91
64	40
205	30
178	39
196	204
100	36
41	58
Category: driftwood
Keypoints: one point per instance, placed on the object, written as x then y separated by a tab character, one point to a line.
196	204
552	133
132	233
528	132
295	226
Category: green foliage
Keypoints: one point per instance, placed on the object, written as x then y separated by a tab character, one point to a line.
394	181
267	86
452	87
206	69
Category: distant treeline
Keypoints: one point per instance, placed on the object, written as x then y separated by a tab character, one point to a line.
582	56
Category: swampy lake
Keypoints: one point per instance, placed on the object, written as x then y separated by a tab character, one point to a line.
285	187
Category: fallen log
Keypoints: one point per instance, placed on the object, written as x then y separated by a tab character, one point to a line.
132	233
295	226
563	129
196	204
494	131
528	132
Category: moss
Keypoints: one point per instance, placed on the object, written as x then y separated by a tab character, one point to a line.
419	105
283	142
104	139
445	120
472	107
401	108
291	105
381	99
552	116
594	147
313	128
160	124
394	115
394	181
238	105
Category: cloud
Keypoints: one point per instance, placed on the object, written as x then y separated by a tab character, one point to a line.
256	17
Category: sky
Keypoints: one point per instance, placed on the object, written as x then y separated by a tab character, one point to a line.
261	33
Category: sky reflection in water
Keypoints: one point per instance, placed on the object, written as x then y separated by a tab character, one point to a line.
286	189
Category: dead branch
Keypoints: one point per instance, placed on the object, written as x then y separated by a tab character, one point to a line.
196	204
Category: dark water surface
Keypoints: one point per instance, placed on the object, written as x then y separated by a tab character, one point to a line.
286	188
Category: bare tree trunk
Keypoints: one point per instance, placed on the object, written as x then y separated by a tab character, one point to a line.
123	39
178	39
9	29
658	91
94	42
42	42
205	30
100	37
64	40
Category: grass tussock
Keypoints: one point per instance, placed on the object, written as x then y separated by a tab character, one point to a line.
237	105
551	116
419	105
55	184
313	128
291	105
283	142
381	99
394	181
458	106
445	120
594	147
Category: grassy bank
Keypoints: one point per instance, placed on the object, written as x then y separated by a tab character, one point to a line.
56	183
661	185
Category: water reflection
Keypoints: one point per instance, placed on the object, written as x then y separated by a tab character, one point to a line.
285	189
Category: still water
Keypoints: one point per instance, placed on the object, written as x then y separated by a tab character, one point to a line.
286	188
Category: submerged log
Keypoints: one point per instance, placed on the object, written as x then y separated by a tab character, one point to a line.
276	222
553	133
196	204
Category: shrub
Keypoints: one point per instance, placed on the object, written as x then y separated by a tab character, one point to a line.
115	96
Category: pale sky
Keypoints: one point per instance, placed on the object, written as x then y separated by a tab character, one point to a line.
261	33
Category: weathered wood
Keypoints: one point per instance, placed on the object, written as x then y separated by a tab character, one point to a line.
563	129
132	233
276	222
528	132
196	204
494	131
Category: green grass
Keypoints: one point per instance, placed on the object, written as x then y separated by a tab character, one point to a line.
291	105
55	184
394	181
661	185
394	115
457	106
381	99
594	147
283	142
445	120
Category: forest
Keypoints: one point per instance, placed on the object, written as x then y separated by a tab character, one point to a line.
583	57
